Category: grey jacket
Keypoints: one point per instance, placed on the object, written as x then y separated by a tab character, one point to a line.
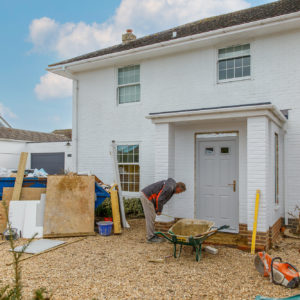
160	192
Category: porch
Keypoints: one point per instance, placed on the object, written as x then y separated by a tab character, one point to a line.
224	154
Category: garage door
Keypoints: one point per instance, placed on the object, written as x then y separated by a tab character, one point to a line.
52	163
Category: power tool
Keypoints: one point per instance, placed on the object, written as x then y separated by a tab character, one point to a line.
281	273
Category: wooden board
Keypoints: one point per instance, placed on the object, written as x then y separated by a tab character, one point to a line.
70	205
20	176
26	194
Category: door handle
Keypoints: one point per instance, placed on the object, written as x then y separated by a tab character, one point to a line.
233	185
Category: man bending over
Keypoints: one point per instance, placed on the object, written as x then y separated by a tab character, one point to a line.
153	198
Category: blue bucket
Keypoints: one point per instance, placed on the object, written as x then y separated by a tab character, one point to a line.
105	227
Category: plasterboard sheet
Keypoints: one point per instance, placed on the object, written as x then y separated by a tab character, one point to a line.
39	246
40	211
30	227
16	215
23	215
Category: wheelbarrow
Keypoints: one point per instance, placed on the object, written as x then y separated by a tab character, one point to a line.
190	232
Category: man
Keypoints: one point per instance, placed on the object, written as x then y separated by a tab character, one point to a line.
153	198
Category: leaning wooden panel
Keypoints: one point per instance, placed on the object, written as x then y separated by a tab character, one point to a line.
26	193
70	205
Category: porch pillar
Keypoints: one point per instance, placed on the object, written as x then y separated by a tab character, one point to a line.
164	151
164	161
257	175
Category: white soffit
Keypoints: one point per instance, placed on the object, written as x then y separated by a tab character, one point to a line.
223	113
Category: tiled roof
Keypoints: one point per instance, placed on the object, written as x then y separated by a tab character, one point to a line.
249	15
30	136
64	132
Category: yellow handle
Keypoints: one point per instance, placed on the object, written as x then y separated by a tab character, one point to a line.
255	222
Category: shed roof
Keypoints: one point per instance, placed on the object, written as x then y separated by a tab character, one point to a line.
30	136
249	15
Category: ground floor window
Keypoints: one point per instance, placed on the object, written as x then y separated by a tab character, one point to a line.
129	168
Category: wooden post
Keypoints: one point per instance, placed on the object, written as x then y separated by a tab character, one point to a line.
20	175
255	222
114	199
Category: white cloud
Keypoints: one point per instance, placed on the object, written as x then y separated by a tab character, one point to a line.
52	86
6	112
143	16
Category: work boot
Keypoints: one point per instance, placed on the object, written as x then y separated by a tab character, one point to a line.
156	239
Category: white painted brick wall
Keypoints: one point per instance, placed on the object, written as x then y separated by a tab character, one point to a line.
258	170
183	81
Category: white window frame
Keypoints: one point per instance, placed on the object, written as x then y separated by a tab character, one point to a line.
118	86
130	194
234	78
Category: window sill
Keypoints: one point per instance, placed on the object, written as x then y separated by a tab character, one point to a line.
128	104
129	195
234	79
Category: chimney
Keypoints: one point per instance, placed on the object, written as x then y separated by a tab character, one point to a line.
128	36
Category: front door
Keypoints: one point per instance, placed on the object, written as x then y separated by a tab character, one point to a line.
217	190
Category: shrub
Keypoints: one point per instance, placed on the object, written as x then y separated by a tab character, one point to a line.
133	208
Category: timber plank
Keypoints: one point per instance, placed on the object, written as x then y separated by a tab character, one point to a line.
20	175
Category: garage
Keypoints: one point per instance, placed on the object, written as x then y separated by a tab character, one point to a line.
52	163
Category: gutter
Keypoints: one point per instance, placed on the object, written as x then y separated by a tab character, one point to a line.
185	40
74	118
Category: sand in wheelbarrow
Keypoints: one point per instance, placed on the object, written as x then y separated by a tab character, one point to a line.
191	227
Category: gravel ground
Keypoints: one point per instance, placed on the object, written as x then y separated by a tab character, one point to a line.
118	267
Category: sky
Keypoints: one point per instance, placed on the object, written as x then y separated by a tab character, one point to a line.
36	33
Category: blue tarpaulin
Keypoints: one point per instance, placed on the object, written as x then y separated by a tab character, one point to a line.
38	182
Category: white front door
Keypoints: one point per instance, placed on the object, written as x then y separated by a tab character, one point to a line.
217	190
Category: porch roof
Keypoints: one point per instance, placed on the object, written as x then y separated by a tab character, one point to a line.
242	111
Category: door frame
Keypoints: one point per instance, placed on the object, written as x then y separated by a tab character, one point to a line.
197	164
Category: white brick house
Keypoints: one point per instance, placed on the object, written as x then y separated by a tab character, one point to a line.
201	103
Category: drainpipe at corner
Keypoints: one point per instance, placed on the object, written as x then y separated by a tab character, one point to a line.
74	118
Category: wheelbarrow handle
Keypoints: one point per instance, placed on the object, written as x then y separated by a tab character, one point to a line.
163	234
212	231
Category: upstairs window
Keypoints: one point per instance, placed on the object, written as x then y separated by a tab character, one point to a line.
129	89
234	62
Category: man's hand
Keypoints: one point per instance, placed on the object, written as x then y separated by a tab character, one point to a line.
158	213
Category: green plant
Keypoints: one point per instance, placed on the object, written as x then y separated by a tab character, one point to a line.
104	210
14	292
133	208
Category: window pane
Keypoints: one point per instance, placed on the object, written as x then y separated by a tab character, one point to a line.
230	73
222	75
129	93
129	169
222	65
246	61
230	64
246	71
238	72
236	51
225	150
209	150
238	62
246	47
130	74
